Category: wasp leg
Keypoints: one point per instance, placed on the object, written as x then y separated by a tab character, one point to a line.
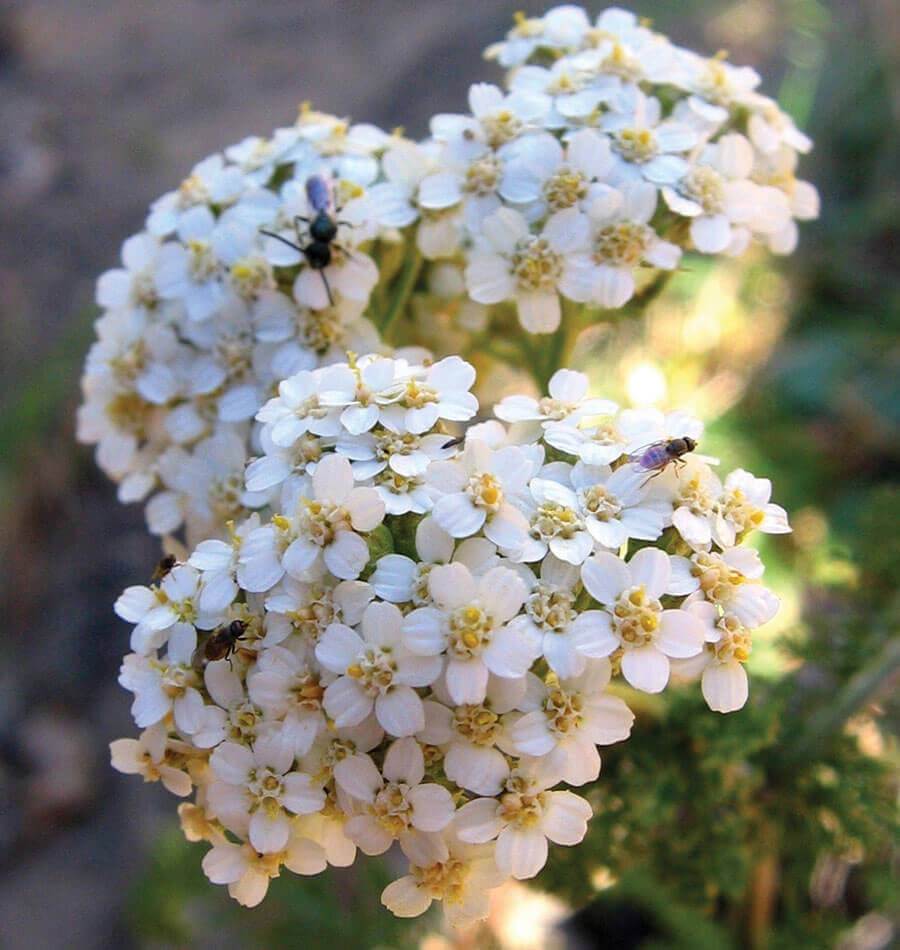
327	287
283	240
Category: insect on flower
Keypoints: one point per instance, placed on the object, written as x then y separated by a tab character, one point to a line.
164	567
322	229
221	643
657	456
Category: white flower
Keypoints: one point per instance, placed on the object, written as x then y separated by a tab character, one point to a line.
522	821
211	182
146	756
400	579
377	671
164	687
397	805
729	580
192	270
255	792
161	612
566	635
545	177
247	872
473	494
743	506
473	736
302	611
567	402
458	874
297	410
637	623
622	241
322	535
469	622
560	28
288	688
720	665
133	285
511	263
717	195
646	146
496	119
573	717
439	392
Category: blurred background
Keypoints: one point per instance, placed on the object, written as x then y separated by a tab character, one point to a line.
774	827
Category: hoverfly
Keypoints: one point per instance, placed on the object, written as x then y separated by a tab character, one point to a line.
657	456
163	567
221	643
322	229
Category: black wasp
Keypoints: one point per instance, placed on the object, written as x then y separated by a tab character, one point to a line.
322	229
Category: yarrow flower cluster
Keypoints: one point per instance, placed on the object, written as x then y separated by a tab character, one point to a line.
609	153
390	620
421	644
207	314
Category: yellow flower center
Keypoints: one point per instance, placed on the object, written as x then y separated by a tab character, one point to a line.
551	608
535	265
624	243
552	520
251	275
483	176
478	724
320	522
565	188
202	262
636	617
485	492
501	127
635	145
374	670
470	631
706	187
601	503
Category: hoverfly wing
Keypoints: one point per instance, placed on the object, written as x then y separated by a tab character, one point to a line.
649	456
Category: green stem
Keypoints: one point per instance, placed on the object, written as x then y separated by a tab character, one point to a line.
405	286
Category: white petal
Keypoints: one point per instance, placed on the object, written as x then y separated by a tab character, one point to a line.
466	680
565	818
521	853
605	576
400	712
479	769
269	834
724	686
646	668
650	567
347	702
